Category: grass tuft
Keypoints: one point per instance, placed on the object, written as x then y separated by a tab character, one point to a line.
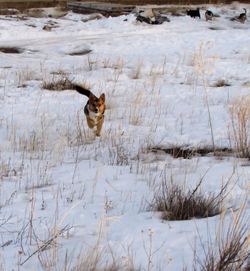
178	203
221	83
57	84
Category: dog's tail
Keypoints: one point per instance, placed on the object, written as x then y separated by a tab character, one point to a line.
82	90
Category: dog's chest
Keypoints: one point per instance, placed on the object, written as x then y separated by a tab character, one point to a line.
94	116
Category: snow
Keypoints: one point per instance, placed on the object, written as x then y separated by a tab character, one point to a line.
159	83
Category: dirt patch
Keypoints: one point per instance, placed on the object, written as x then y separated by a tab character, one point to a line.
11	50
216	28
188	152
23	5
9	11
56	12
80	52
221	83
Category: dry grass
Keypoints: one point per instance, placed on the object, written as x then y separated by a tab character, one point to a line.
240	126
176	202
137	71
221	83
118	156
24	75
57	83
99	258
230	252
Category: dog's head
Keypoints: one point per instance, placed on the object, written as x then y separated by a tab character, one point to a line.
97	105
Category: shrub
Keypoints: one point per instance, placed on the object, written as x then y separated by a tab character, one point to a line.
57	84
177	203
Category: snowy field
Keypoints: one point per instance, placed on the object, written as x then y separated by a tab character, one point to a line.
69	199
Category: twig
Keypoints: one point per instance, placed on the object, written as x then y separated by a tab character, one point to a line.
46	244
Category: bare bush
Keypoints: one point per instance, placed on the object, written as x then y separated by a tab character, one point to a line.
176	202
57	83
221	83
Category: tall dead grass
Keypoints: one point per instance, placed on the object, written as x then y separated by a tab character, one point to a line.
230	251
240	125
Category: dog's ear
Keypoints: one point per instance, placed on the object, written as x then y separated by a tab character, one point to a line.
91	97
102	97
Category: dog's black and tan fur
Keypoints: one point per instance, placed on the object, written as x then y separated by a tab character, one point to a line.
209	15
94	109
243	16
193	13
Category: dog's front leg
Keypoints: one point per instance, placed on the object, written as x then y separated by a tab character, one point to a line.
91	123
99	126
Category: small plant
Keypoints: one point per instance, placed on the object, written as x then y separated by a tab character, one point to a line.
135	116
91	64
23	76
178	203
137	71
57	83
221	83
118	155
240	126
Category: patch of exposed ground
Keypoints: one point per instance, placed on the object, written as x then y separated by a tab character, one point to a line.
11	50
188	152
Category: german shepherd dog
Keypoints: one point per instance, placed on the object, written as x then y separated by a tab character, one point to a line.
241	18
94	109
209	15
194	13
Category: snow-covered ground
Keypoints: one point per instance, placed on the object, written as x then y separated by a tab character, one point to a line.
64	192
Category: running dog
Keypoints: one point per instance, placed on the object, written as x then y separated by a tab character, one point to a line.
194	13
209	15
94	109
241	18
